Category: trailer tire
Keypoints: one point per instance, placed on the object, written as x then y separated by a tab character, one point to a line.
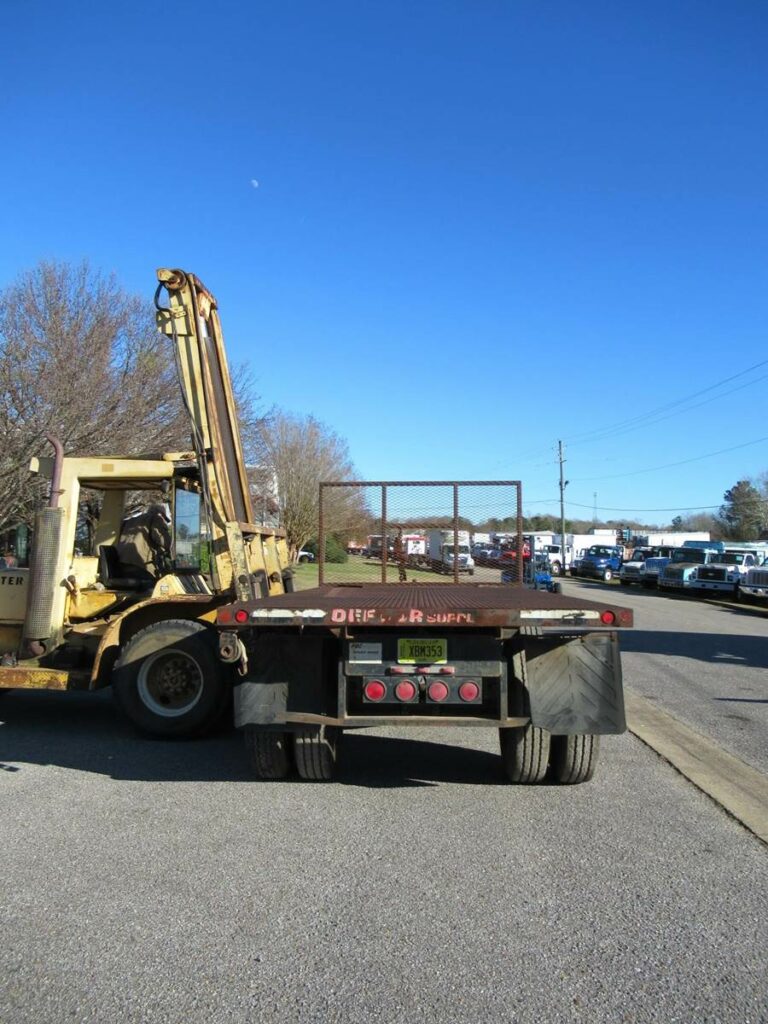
169	681
269	752
315	750
573	759
607	575
525	753
555	569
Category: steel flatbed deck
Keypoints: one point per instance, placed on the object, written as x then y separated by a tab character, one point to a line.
459	605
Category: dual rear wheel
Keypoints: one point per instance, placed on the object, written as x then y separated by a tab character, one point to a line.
532	755
310	751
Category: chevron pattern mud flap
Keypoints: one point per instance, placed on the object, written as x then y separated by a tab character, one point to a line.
574	684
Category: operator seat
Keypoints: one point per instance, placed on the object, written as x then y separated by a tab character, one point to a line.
116	576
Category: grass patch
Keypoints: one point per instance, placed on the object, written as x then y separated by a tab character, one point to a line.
358	570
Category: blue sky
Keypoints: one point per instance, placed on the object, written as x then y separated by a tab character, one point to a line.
479	227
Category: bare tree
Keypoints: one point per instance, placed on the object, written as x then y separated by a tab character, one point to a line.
297	453
80	359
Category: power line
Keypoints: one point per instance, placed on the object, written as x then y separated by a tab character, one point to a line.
678	508
606	508
595	434
677	412
652	416
669	465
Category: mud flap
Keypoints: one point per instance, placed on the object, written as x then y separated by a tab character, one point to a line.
286	674
575	685
260	703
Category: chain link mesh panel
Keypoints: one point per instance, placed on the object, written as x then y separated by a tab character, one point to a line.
425	531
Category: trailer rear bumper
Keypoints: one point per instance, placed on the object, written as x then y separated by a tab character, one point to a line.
567	684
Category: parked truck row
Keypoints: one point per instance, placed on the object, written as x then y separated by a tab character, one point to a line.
727	567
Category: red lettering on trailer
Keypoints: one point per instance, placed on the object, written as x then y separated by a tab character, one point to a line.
415	615
353	615
449	618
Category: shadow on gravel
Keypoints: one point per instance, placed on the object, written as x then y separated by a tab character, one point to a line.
716	648
85	732
388	762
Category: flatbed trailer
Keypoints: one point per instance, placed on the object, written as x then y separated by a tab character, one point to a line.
543	668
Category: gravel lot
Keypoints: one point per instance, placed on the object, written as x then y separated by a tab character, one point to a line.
151	881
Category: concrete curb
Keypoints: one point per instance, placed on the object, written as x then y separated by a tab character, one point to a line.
738	788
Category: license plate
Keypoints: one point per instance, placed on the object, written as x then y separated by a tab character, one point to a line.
412	651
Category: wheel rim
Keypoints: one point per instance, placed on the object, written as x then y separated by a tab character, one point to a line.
170	683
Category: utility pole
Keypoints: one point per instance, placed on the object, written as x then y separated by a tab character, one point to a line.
563	485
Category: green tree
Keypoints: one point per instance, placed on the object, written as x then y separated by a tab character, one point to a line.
744	512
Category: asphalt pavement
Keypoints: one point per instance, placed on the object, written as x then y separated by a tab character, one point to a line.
704	662
157	882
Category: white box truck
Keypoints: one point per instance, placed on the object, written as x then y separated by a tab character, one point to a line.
440	553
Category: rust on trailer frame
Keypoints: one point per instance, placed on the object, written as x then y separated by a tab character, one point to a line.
453	484
459	605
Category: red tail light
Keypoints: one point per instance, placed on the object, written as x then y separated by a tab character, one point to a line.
405	690
437	691
608	618
469	691
374	690
241	615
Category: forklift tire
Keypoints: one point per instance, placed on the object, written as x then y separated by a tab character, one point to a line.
525	753
554	569
607	575
268	752
315	750
169	681
557	588
573	759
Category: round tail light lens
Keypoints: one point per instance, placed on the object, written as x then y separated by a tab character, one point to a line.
374	690
608	618
405	690
241	615
469	691
437	691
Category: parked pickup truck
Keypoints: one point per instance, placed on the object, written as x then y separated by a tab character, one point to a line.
542	668
644	565
683	567
726	574
755	584
601	561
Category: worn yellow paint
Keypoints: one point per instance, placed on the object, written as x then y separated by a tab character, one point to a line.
33	679
91	604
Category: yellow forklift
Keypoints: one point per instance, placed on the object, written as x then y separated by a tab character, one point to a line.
136	609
